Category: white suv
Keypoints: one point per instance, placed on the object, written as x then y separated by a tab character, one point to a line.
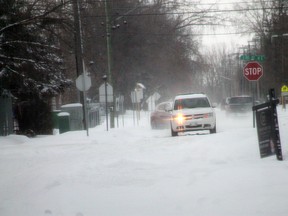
192	112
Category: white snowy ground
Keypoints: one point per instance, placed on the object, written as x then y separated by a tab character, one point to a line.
136	171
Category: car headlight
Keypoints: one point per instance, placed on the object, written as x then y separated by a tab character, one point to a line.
179	118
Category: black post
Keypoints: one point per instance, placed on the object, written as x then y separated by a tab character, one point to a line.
275	125
253	98
106	103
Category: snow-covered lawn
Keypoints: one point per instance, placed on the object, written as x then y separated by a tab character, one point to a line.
133	170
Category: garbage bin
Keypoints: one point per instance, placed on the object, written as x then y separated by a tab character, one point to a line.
63	122
55	118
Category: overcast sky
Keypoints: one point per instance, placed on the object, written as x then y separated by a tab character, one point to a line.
223	35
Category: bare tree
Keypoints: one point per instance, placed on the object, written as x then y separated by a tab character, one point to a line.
267	21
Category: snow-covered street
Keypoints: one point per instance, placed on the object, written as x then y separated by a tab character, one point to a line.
133	170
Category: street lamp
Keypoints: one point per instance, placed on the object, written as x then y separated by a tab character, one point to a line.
277	36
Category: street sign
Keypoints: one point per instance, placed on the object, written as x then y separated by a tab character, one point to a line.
152	99
137	95
83	82
253	71
102	93
259	58
284	88
268	127
264	127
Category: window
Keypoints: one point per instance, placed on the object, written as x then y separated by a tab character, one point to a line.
190	103
240	100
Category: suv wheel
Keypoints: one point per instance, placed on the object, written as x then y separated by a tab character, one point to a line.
173	133
212	131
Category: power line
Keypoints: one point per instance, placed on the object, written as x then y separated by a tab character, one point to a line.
191	34
198	3
194	12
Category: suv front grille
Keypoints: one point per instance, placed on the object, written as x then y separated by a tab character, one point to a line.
196	116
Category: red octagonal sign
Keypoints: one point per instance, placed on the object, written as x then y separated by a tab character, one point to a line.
253	71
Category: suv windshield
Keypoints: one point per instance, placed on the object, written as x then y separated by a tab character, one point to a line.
188	103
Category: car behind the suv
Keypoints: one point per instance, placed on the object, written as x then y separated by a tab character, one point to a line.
160	117
239	104
192	112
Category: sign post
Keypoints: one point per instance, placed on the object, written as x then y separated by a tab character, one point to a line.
284	94
105	96
253	71
275	125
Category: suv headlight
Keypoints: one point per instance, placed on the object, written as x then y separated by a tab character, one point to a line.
208	115
179	118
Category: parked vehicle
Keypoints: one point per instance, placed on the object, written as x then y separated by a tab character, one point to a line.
160	117
239	104
192	112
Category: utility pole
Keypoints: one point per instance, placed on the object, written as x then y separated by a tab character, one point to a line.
79	58
109	60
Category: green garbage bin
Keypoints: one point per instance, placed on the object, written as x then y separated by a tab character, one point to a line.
55	118
63	122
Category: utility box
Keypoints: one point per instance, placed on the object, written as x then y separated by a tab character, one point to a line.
76	115
63	122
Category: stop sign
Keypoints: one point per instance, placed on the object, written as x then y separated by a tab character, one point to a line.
253	71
